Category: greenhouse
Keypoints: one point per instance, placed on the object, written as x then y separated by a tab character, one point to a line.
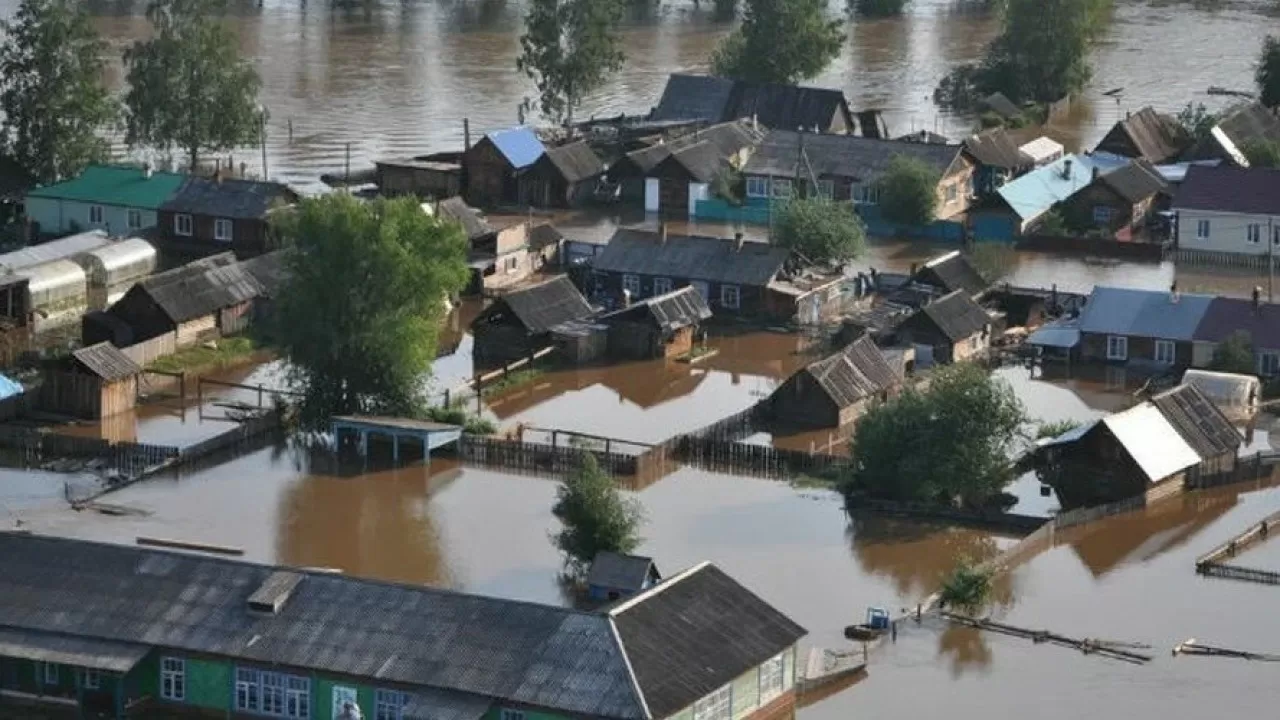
118	263
56	287
62	249
1236	395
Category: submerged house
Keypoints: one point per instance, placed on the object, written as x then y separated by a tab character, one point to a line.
115	198
95	382
1022	204
998	159
1229	211
614	576
217	214
1141	327
836	390
1225	317
1239	127
635	171
564	177
1119	200
1148	135
785	107
112	629
494	165
948	273
661	326
438	175
520	322
951	329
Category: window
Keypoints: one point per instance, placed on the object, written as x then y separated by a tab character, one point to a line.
661	286
714	706
50	673
1101	214
781	188
758	187
297	699
222	229
182	225
390	704
1269	364
342	697
771	675
134	219
1165	352
508	714
173	678
92	680
631	284
826	189
866	194
511	263
951	192
1253	233
730	296
273	693
246	689
95	214
1117	347
1275	235
1202	229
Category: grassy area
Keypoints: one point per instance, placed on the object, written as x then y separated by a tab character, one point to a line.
455	415
510	380
697	352
226	351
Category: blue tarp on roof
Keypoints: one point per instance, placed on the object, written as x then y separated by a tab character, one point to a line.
519	145
9	387
1033	194
1143	313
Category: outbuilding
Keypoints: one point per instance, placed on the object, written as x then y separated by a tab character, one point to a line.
95	382
614	576
658	327
836	390
565	176
950	329
519	322
493	166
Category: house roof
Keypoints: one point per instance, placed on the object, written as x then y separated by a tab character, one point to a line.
1228	315
924	136
1143	313
1135	181
1041	149
671	311
693	97
1001	105
949	272
519	145
850	156
956	315
1226	188
701	160
576	161
105	655
728	138
228	198
518	652
115	185
1152	441
700	97
1248	123
544	234
1198	420
199	289
1033	194
691	634
457	209
540	307
106	361
996	148
857	372
642	252
270	270
616	570
1158	137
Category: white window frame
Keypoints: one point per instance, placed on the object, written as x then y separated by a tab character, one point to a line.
1101	214
715	706
92	680
185	229
389	704
826	188
173	678
510	714
781	188
631	283
757	186
274	694
1203	229
95	210
221	224
730	296
1253	233
1117	347
1268	364
661	285
1166	352
866	194
50	673
772	678
133	219
297	697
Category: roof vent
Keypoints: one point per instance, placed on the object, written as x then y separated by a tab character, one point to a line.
274	592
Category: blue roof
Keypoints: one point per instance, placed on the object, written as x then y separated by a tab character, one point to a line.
1033	194
1143	313
9	387
519	145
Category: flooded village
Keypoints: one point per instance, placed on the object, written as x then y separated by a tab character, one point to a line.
1057	382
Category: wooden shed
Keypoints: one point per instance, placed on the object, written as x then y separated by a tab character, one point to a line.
95	382
493	166
835	390
563	177
661	326
950	329
520	322
614	576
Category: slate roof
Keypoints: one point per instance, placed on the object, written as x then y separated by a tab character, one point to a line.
956	316
1157	137
857	372
728	138
270	270
671	311
518	652
950	272
712	99
1226	188
229	198
1143	313
519	145
457	209
996	148
849	156
544	234
1198	420
103	655
641	252
616	570
106	361
115	185
545	305
576	161
198	289
693	97
1228	315
693	633
1135	182
1251	122
701	160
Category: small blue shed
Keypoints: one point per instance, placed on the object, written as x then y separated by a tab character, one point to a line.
614	576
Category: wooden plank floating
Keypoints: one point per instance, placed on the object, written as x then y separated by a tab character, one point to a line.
1113	649
185	545
1191	647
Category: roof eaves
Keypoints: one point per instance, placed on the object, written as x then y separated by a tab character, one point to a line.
631	673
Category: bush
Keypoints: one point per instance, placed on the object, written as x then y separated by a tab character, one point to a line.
967	588
595	515
822	230
909	192
455	415
1234	354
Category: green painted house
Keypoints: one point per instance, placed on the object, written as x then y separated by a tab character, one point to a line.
114	631
118	199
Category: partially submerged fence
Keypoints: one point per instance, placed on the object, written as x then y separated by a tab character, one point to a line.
537	458
1211	563
122	458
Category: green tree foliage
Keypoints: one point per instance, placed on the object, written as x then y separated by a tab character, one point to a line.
992	260
909	192
878	8
967	587
1262	153
1267	75
595	516
1196	119
188	86
1235	354
53	105
1042	51
779	41
1055	429
570	48
820	229
949	443
358	317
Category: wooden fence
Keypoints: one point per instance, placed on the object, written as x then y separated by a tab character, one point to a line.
754	460
1258	466
148	351
243	432
1083	516
1211	562
537	458
124	458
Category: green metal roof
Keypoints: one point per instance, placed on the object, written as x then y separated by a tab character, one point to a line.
115	185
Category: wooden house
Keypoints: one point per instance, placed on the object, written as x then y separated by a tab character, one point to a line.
1148	135
519	323
733	140
836	390
1119	200
948	273
951	329
564	177
218	214
493	166
114	198
614	576
1150	328
998	159
95	382
662	326
712	100
1238	127
438	175
1228	316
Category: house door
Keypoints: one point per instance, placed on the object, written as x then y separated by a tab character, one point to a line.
652	193
703	289
341	696
697	191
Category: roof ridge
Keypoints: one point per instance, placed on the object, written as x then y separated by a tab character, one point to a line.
672	581
626	662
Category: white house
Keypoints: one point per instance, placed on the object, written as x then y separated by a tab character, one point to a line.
1228	209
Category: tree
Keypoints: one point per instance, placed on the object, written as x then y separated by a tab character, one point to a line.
365	297
949	443
595	515
1234	354
54	105
909	192
967	587
820	229
570	49
779	41
1042	51
188	86
1196	119
992	260
1267	74
1262	153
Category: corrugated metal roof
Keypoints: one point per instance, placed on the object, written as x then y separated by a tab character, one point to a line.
956	315
848	156
1033	194
729	138
80	652
106	361
671	311
10	387
1157	137
951	272
199	289
1153	443
693	97
61	249
1200	423
576	161
457	209
1143	313
115	185
996	148
1226	188
855	373
642	252
228	198
519	145
1136	181
619	571
714	99
1057	334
